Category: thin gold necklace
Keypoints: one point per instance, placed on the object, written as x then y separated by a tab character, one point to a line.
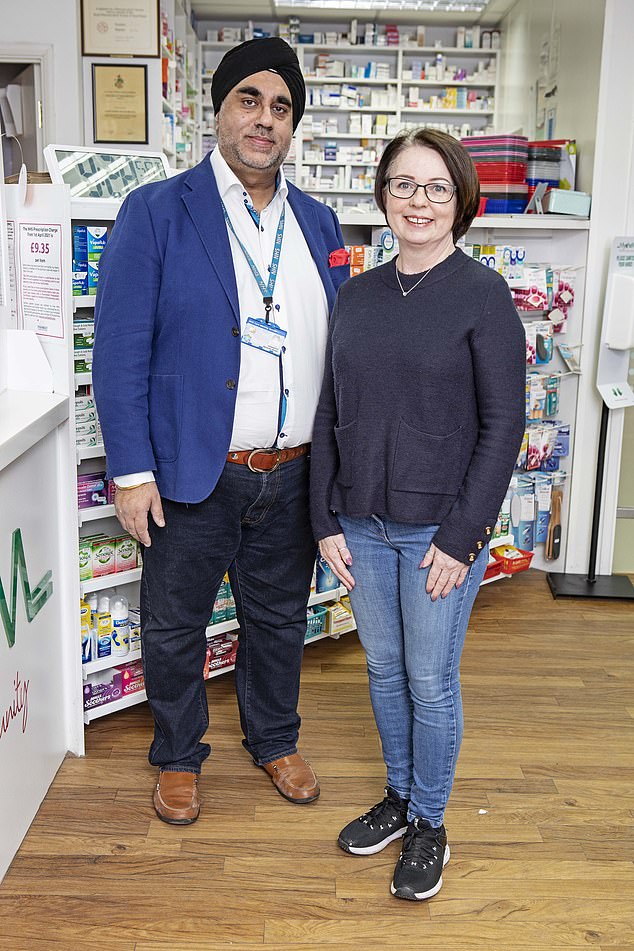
409	291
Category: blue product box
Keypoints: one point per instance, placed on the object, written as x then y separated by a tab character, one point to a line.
80	244
80	278
96	238
93	276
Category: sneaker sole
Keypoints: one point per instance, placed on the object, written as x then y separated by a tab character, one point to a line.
371	849
410	895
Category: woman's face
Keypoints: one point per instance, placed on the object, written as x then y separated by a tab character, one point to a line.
417	221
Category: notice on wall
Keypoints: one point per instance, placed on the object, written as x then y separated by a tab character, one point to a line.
40	278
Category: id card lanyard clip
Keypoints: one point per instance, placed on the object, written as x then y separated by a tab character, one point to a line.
268	288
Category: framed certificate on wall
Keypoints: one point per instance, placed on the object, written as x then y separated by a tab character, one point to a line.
130	29
119	103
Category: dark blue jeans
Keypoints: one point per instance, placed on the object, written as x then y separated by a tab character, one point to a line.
256	526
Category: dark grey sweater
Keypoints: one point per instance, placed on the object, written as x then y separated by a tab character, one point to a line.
422	409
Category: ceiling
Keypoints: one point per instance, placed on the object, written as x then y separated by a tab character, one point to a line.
266	11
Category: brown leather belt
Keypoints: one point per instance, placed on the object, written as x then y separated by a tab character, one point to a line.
266	460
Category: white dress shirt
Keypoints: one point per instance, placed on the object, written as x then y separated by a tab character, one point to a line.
300	308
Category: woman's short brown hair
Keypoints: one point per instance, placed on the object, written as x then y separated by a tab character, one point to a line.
458	162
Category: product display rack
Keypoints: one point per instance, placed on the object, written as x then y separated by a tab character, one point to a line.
181	99
212	629
355	176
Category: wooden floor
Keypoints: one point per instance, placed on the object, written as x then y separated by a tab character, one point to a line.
540	821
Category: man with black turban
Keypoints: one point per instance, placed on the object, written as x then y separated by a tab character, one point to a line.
210	337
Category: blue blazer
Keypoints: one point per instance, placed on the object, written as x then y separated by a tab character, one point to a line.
167	329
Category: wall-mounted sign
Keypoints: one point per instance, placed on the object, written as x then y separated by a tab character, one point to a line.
121	29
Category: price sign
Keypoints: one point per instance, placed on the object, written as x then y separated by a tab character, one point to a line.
40	278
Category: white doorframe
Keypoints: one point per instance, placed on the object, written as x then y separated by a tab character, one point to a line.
41	56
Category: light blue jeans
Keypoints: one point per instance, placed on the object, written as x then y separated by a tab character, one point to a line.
413	647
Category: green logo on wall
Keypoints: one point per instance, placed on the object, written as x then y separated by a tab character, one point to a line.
34	600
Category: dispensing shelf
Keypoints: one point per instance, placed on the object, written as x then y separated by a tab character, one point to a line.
90	452
94	512
110	581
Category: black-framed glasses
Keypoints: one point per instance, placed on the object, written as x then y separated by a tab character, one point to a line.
438	192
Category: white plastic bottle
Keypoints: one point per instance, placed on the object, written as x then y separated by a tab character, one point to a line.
92	600
120	625
103	600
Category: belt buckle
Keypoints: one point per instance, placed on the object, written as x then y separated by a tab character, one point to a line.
253	452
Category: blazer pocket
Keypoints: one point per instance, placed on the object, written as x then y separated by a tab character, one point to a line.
165	401
427	463
346	437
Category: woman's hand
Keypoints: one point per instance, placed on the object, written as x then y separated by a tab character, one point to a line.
335	551
445	572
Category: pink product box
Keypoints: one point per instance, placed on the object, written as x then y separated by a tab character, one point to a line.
92	490
131	677
111	490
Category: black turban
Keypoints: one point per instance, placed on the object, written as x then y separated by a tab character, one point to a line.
253	57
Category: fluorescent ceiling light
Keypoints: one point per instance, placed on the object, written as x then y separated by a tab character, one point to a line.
436	6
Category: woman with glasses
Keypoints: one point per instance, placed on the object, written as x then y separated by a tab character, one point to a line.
418	428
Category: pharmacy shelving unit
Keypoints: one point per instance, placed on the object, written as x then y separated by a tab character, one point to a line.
181	98
338	144
221	627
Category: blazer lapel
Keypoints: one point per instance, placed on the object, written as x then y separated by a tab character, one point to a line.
202	200
309	223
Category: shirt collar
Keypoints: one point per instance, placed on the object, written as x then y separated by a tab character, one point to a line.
228	181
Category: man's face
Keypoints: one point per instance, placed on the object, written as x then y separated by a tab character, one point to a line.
255	123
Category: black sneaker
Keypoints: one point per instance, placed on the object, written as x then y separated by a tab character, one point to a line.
377	827
418	872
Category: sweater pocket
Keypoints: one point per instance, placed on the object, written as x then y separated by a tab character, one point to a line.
346	440
165	400
427	463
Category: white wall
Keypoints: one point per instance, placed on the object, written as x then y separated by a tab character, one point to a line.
53	24
561	41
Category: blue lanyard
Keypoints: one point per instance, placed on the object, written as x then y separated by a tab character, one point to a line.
266	289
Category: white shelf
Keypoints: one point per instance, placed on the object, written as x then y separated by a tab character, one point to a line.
446	112
441	83
83	379
325	190
344	135
348	80
502	541
107	663
498	222
306	163
90	452
374	109
94	513
494	578
85	300
94	209
114	580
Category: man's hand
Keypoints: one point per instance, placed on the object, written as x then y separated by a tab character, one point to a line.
132	506
335	551
445	572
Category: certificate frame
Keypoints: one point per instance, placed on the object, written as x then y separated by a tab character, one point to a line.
109	32
119	103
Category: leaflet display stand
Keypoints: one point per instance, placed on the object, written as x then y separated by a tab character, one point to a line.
617	339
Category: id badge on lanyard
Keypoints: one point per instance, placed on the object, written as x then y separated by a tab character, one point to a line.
264	336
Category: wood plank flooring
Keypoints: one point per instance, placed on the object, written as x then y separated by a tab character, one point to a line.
540	821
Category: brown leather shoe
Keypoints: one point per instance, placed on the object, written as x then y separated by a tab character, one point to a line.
293	778
176	798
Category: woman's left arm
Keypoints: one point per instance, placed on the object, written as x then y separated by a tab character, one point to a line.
498	349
